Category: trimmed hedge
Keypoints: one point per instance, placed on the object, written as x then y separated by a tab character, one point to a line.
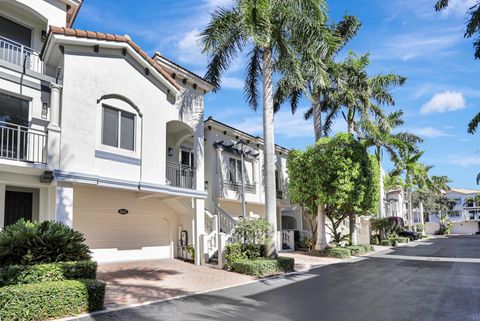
41	301
357	249
389	242
261	266
27	274
400	239
337	252
286	264
240	251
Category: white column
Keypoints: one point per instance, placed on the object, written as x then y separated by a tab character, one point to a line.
218	188
64	204
2	205
44	204
199	223
53	149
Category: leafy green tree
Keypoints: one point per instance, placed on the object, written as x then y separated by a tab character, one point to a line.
473	23
277	34
335	174
302	188
393	180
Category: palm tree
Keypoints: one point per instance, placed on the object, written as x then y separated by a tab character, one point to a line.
361	97
279	35
315	89
380	137
473	24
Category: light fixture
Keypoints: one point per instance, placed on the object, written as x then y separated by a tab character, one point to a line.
170	151
46	177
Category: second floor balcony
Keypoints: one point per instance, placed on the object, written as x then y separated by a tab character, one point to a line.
22	143
180	175
20	55
237	186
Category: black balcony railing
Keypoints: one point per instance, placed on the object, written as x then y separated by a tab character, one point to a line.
180	175
22	143
237	186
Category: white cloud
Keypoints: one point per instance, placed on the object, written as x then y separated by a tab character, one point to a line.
444	102
407	57
424	43
189	48
464	161
232	82
459	7
430	132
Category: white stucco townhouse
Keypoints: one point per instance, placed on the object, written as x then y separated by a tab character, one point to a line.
98	135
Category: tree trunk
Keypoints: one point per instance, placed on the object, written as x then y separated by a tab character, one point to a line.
410	209
321	243
317	118
353	234
422	218
381	203
269	150
351	127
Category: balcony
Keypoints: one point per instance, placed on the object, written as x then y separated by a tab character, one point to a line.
180	175
22	143
22	56
235	186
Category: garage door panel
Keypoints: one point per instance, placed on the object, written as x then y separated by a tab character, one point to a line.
114	237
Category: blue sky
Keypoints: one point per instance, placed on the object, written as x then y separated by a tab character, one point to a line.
405	37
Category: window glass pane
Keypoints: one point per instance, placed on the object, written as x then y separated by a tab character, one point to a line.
15	32
239	170
231	168
13	110
110	127
127	139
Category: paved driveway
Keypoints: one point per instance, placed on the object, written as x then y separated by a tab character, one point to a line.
407	283
141	282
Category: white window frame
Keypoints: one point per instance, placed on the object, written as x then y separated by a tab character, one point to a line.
119	111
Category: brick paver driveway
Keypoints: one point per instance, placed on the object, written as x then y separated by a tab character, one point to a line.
146	281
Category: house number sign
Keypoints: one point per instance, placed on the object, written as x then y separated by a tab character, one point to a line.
123	211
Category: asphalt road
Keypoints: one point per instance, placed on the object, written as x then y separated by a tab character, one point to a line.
433	280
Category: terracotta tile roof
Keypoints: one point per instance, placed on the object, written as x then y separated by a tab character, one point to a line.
114	38
181	67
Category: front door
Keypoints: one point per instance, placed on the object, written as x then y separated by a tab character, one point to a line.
18	205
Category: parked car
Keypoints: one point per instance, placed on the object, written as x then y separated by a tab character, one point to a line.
412	236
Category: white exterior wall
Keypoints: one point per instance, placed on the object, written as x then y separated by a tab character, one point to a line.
87	79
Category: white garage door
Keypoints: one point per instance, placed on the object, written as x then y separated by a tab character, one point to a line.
464	228
113	237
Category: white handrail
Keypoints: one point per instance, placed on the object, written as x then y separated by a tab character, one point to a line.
18	54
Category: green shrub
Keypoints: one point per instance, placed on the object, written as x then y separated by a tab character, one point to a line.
386	242
28	243
239	251
368	248
25	274
286	264
252	231
48	300
356	249
400	239
375	239
337	252
257	267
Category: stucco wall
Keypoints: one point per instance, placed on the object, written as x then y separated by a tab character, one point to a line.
86	79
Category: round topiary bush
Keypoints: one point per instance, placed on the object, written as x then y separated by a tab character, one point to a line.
26	243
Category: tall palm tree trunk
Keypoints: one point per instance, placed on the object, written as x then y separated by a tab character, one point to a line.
351	216
410	208
269	150
381	203
317	118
